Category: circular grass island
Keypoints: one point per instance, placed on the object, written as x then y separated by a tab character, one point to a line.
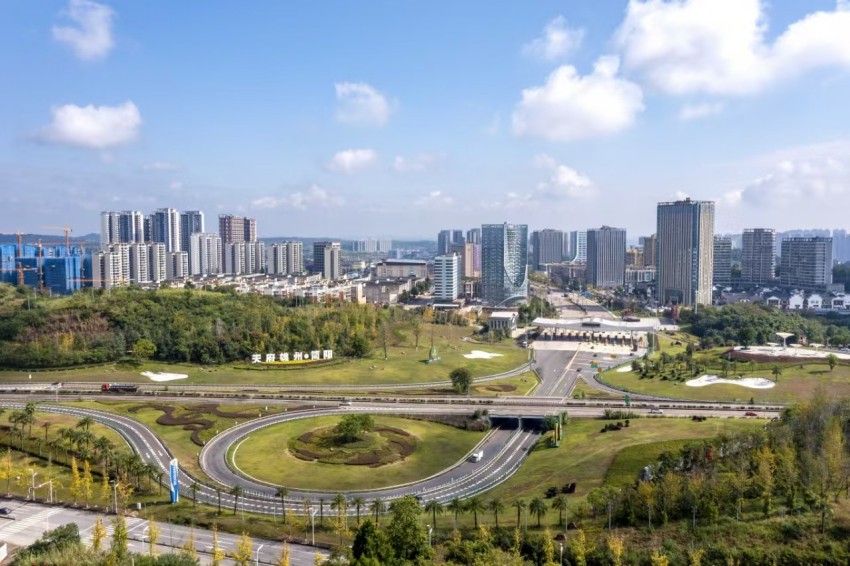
314	453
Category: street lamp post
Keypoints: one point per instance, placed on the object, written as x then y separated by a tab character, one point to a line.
32	483
115	495
561	559
430	530
257	559
313	524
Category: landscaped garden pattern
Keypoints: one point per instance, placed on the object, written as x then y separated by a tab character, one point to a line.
191	419
383	445
269	455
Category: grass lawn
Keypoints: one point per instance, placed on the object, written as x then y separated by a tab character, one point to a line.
794	384
631	460
404	365
265	455
177	439
586	455
583	391
522	384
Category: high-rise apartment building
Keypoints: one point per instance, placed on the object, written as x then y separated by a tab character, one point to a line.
648	244
111	267
176	265
125	227
471	261
444	242
722	271
191	222
473	236
504	262
165	228
446	277
685	252
606	257
578	246
634	257
758	256
326	260
205	253
806	263
457	238
286	258
547	246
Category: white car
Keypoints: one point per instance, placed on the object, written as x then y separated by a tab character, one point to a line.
656	411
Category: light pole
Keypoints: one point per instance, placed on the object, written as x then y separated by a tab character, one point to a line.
430	530
257	559
115	495
561	559
313	524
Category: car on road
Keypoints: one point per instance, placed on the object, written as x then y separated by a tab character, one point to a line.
750	414
345	404
5	511
656	411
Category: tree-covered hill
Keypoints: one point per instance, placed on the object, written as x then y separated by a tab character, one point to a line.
184	325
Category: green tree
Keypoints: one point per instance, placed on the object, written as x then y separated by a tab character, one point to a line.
406	533
457	507
350	427
461	380
281	492
195	488
358	503
560	505
832	360
435	508
119	538
776	371
370	543
377	508
496	506
520	505
144	349
538	509
236	492
475	506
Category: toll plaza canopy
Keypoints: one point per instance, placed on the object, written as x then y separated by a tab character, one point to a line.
594	324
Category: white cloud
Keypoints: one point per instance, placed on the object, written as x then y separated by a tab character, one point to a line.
556	42
415	163
361	104
91	35
815	181
511	201
315	196
570	106
352	160
434	199
160	166
93	127
719	46
690	112
563	181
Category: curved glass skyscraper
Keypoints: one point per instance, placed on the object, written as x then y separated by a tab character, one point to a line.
504	263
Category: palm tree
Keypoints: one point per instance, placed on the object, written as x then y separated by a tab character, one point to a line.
282	492
377	508
474	505
29	411
560	504
457	507
340	503
218	494
46	426
235	491
358	502
496	506
776	371
321	510
537	508
195	487
434	507
520	505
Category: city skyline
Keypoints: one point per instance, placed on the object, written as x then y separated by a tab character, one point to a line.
539	114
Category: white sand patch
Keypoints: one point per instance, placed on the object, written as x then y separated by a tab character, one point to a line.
164	376
750	382
479	355
624	369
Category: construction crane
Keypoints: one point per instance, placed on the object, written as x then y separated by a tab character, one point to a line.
67	230
19	269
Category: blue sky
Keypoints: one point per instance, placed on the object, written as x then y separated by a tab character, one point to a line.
402	118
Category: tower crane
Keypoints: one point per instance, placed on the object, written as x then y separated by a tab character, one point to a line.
67	230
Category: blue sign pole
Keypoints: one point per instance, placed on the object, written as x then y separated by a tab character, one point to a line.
173	473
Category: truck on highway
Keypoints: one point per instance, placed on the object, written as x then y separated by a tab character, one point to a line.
118	388
477	456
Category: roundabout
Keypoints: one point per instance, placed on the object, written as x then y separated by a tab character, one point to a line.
312	453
